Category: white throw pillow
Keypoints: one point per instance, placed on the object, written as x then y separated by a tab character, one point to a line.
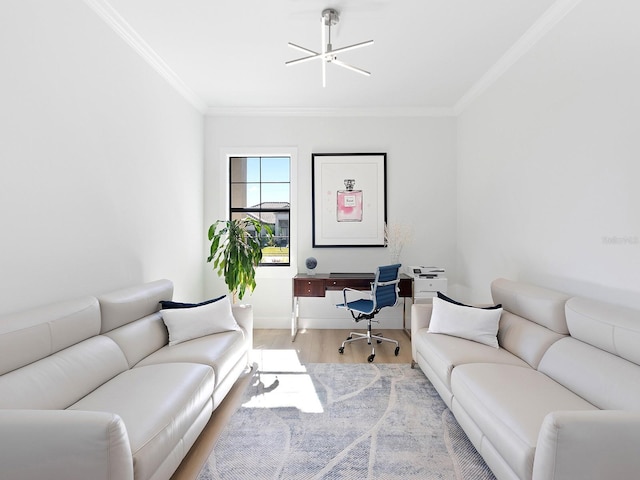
189	323
476	324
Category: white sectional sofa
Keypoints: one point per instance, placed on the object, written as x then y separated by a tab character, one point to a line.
558	400
90	388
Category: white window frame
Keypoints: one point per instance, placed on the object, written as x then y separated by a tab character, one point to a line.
268	271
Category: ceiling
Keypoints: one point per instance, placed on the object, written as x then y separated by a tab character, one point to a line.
427	56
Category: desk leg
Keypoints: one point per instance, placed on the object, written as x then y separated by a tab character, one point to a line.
295	312
404	317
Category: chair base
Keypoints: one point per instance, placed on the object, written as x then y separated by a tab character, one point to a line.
355	336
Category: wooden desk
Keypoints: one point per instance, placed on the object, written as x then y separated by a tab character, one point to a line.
317	286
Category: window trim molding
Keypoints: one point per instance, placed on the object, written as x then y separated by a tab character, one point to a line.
267	271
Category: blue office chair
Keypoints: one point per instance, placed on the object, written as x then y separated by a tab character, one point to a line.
384	293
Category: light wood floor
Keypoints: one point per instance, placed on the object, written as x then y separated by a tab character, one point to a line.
274	351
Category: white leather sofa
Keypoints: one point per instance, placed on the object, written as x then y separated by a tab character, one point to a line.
558	400
90	388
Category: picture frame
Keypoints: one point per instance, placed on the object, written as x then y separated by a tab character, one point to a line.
349	199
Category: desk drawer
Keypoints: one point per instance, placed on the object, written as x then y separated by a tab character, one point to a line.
308	287
355	283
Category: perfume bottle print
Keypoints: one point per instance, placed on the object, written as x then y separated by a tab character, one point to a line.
349	203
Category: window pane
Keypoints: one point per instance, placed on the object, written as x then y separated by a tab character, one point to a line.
279	224
245	195
239	215
275	192
275	169
245	169
277	250
239	195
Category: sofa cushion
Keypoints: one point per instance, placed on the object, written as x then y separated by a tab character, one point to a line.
128	304
508	404
188	323
36	333
140	338
612	328
444	352
476	324
61	379
221	351
158	404
604	379
442	296
168	304
540	305
526	339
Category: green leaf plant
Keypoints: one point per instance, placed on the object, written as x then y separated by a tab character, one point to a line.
236	251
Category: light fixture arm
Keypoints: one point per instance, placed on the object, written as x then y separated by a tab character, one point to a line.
330	17
326	54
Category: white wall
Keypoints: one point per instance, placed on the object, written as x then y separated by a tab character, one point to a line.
102	169
101	183
549	163
421	188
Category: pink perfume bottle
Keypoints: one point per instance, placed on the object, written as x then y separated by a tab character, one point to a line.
349	206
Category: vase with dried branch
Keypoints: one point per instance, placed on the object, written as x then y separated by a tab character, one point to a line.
396	236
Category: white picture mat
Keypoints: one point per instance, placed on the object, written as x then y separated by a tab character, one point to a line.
329	175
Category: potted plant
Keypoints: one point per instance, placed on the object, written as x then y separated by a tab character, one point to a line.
236	251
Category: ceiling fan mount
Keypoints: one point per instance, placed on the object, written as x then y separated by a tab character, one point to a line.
330	18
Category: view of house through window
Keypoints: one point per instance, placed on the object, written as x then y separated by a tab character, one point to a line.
260	188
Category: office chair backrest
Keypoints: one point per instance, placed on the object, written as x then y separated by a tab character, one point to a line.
385	286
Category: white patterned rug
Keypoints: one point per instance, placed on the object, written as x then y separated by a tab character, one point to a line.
343	421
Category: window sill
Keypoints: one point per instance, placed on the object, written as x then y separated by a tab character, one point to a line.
276	272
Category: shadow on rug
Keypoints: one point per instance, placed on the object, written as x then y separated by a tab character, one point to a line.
343	421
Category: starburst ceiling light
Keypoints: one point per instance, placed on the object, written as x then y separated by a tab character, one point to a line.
327	55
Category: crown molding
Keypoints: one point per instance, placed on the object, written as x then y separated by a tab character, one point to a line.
537	31
526	42
104	9
329	112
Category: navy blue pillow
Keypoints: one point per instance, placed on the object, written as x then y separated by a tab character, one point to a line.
167	304
442	296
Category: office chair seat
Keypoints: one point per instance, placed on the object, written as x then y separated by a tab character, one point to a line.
384	293
362	305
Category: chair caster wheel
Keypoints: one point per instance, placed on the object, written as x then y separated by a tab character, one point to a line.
341	350
379	341
349	338
397	351
370	358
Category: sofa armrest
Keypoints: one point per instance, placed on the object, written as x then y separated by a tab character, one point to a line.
420	318
64	444
244	316
588	445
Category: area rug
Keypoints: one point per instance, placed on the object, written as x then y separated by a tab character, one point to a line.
343	421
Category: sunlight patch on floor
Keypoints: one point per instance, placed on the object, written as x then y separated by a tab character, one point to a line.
282	382
284	390
277	360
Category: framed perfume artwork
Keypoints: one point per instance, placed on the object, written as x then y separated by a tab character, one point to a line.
349	199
